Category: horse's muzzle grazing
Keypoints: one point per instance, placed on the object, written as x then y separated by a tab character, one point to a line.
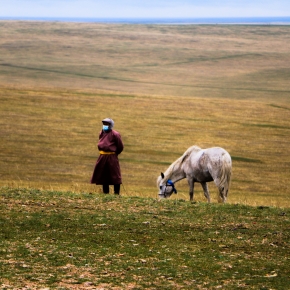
167	190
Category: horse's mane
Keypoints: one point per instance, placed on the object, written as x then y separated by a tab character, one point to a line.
178	162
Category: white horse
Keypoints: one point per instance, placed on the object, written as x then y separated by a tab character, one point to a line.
198	165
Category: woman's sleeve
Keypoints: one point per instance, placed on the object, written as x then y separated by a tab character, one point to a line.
119	144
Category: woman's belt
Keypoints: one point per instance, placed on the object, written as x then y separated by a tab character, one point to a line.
106	153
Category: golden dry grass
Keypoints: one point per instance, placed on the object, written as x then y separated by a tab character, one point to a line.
166	87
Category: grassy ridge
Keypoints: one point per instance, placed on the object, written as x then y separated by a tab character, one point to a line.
66	240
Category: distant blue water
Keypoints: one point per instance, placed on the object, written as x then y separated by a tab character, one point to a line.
180	21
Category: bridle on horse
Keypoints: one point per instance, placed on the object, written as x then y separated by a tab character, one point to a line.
169	182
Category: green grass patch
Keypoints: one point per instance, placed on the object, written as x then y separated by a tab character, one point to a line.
61	240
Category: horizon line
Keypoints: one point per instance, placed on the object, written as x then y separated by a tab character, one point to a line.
143	17
255	20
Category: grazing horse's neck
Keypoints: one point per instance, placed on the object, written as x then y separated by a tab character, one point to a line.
175	172
177	177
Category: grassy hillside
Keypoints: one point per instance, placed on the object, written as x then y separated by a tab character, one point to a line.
64	240
224	61
166	87
49	140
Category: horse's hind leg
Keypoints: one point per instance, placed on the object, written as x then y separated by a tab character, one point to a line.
205	191
223	196
222	193
191	188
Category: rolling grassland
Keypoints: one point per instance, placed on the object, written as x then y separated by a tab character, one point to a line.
167	88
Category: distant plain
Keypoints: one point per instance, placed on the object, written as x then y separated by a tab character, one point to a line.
166	86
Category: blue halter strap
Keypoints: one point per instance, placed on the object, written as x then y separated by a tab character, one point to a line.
170	183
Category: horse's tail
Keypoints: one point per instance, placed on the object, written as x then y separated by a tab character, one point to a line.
225	176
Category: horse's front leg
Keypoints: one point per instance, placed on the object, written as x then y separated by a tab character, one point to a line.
191	188
205	191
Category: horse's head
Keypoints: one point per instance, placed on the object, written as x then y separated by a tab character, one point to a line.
166	187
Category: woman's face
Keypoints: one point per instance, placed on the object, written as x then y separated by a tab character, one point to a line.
106	126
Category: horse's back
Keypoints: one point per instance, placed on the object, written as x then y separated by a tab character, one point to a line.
217	152
207	157
219	161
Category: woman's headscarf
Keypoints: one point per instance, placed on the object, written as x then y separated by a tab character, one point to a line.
110	121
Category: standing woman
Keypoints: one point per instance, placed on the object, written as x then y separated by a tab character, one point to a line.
107	170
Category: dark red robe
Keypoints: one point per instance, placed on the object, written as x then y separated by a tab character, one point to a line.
107	169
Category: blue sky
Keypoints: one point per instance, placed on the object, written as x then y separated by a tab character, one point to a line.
144	8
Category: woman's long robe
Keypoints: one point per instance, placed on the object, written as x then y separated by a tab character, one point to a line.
107	169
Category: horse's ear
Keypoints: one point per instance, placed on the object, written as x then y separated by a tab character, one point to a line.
162	175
